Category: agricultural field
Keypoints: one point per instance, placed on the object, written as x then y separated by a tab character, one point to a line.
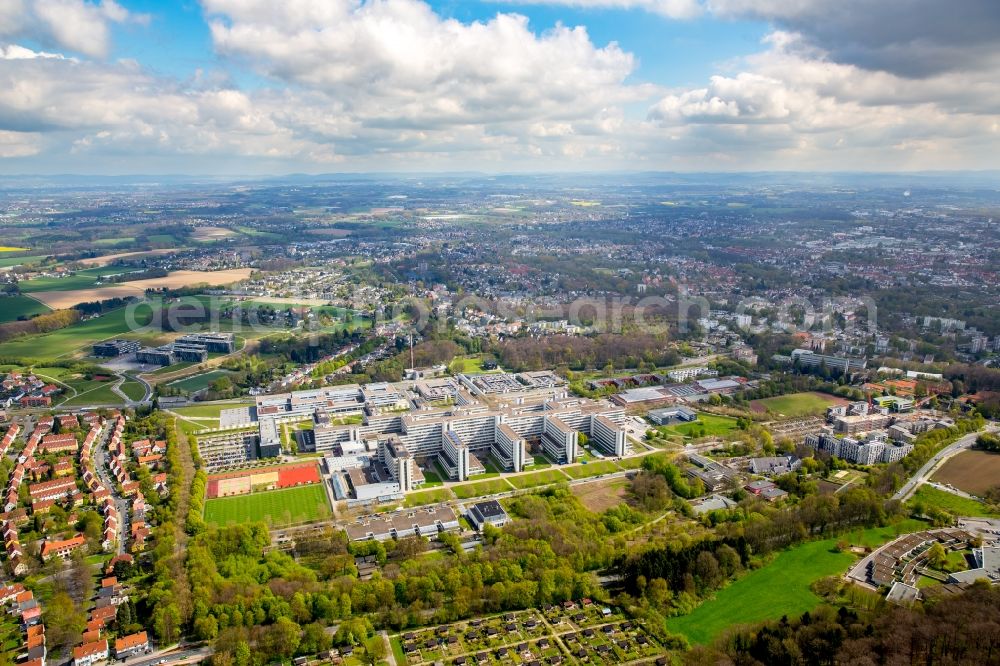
108	258
779	588
707	425
274	507
974	472
953	504
488	487
433	496
602	495
796	405
81	335
542	478
84	279
7	262
66	292
13	307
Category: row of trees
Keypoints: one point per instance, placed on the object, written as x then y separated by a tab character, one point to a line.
43	323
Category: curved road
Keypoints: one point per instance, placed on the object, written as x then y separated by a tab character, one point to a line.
925	472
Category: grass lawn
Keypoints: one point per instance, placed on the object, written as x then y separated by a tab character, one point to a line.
99	394
781	587
433	496
133	389
543	478
432	478
197	382
275	507
959	506
80	335
705	426
167	369
12	307
469	364
208	410
488	487
633	462
796	405
595	468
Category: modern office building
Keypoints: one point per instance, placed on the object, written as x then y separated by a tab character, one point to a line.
113	348
509	448
607	436
807	358
558	440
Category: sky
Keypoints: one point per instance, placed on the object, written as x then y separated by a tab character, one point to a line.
255	87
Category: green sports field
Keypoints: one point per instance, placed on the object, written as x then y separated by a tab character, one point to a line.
796	405
12	307
274	507
781	587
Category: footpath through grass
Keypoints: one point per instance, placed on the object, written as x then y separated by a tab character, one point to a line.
781	587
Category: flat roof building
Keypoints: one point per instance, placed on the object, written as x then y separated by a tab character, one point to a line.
487	513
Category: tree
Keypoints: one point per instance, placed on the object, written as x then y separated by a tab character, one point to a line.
166	623
936	556
242	654
374	651
706	568
206	628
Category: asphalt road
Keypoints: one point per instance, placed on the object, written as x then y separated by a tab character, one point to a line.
925	472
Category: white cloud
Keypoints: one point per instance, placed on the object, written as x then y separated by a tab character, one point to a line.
19	144
397	63
74	25
390	84
16	52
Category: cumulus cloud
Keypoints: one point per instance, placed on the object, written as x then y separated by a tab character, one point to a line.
74	25
390	84
19	144
795	102
400	64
